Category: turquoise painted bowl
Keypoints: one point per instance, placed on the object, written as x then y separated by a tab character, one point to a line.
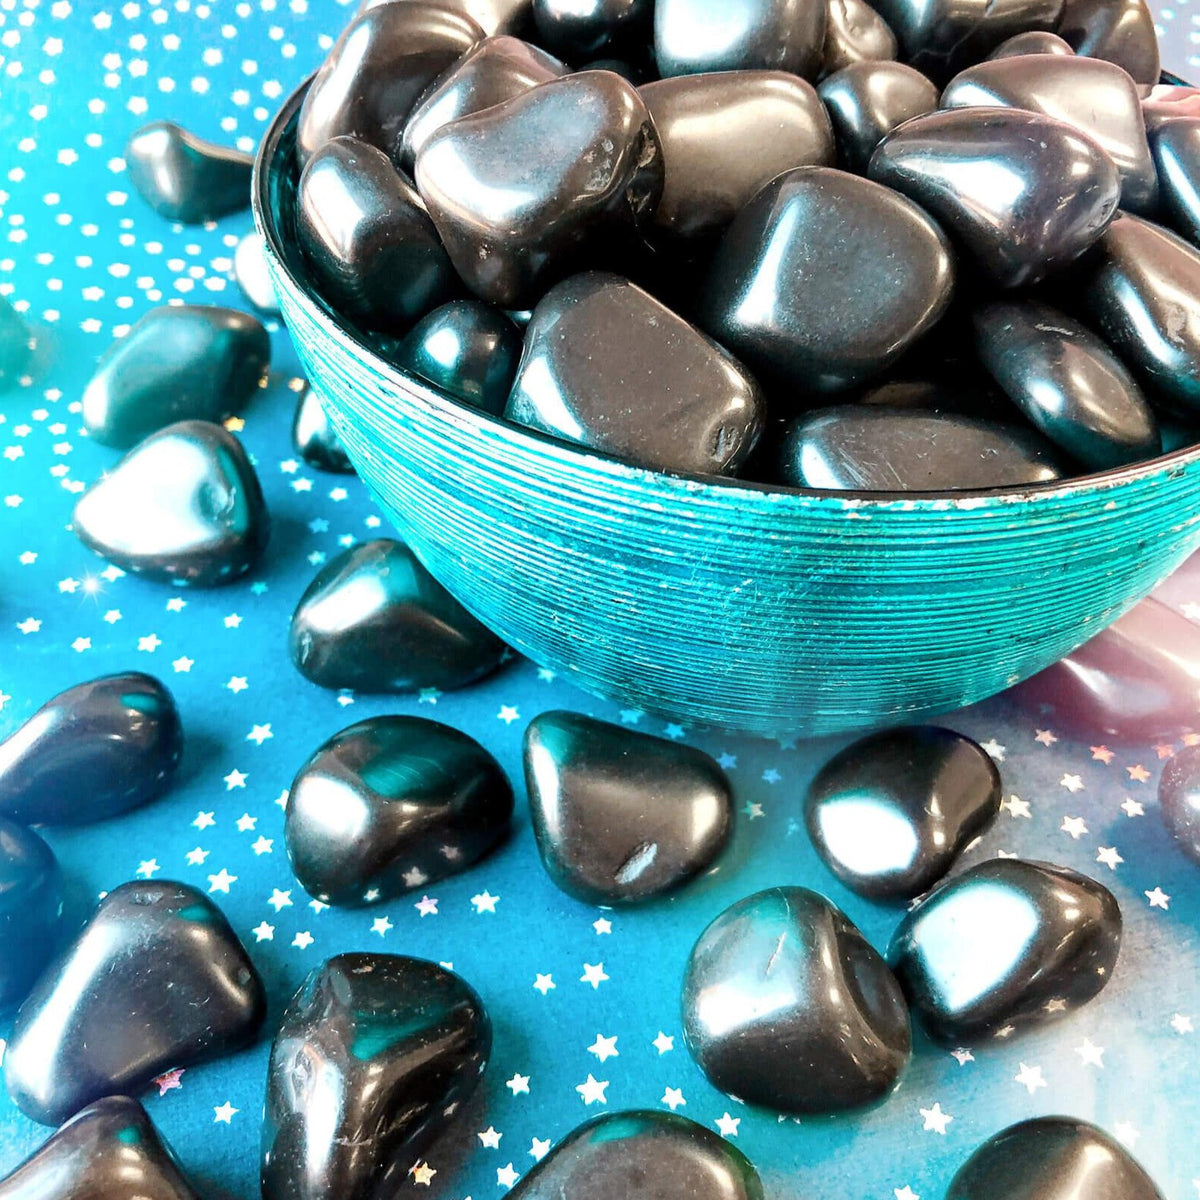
752	608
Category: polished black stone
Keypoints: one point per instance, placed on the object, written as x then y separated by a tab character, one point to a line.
1144	296
1051	1158
314	436
530	190
178	363
15	352
390	804
1118	31
155	980
1098	98
866	101
1179	799
492	16
642	1154
716	146
497	69
691	36
376	72
621	816
184	178
638	69
120	733
1008	943
466	349
785	1004
250	271
375	620
864	300
855	32
31	904
1067	382
375	1053
183	507
1176	147
377	257
1036	41
585	29
109	1151
1023	194
892	811
1169	102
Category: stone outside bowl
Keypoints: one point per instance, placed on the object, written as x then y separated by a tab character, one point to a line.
752	608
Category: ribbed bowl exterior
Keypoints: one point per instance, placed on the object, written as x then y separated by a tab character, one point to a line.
759	610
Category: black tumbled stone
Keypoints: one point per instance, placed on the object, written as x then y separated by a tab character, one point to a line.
1118	31
580	30
1179	799
315	438
184	178
31	904
855	32
253	278
1035	41
1176	147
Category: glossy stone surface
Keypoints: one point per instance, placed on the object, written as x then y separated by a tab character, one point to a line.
884	449
31	902
183	507
994	946
250	271
1051	1158
497	69
390	804
120	733
1035	41
314	436
1023	194
891	812
466	349
1138	680
595	342
1068	383
375	1052
584	29
376	72
155	980
1179	799
855	32
364	229
866	101
865	300
1168	102
692	36
492	16
178	363
1118	31
1143	293
183	177
375	620
1176	146
645	1154
527	191
724	136
110	1150
621	816
786	1005
1096	97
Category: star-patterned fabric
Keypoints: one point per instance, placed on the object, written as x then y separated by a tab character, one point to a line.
585	1003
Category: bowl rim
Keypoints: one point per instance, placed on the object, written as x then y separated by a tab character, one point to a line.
714	487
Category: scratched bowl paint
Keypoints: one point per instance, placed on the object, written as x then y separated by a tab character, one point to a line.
756	609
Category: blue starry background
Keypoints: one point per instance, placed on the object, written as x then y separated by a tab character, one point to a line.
584	1002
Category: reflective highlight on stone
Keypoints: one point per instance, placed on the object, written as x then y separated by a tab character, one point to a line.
865	300
178	363
1068	383
156	979
855	32
390	804
1168	102
119	733
1006	943
620	816
892	811
492	16
1024	194
530	190
314	436
785	1004
1179	799
1118	31
184	178
183	507
648	1154
375	620
595	340
110	1149
374	1054
31	903
1051	1158
250	271
466	349
584	29
1176	146
1036	41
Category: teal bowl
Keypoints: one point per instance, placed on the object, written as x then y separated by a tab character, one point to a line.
757	609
